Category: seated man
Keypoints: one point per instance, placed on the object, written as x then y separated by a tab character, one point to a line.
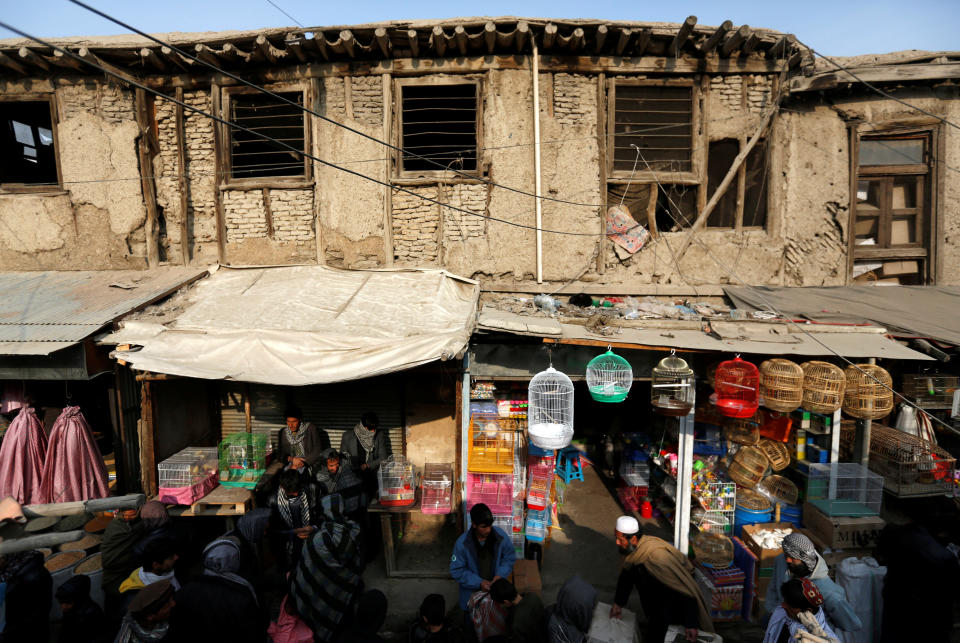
481	555
800	611
294	517
158	561
335	476
301	443
526	619
801	560
432	625
149	612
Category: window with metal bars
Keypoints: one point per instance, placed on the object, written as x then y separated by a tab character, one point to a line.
439	125
658	120
252	156
28	156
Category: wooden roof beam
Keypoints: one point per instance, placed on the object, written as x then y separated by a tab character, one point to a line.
28	56
573	42
438	40
460	39
735	40
207	55
294	44
169	55
622	41
232	53
490	36
149	58
750	44
711	43
413	39
600	38
522	34
61	59
268	51
347	43
383	42
549	35
779	49
10	63
642	42
683	34
89	57
318	44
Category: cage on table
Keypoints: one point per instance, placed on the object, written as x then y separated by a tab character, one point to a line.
187	475
492	489
492	440
395	479
437	488
242	459
844	489
910	466
635	474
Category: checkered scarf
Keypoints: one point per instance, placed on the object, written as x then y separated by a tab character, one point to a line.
798	546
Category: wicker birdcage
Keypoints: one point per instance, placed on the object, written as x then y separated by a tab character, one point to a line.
909	465
779	489
712	549
752	500
823	386
742	431
550	409
737	388
781	385
748	467
609	377
869	392
672	386
777	453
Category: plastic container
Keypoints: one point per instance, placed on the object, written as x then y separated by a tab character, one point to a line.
725	601
187	475
537	524
395	480
844	489
492	489
538	493
792	514
437	487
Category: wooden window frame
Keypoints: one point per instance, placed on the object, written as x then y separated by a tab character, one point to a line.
402	176
740	187
227	180
27	188
929	224
692	177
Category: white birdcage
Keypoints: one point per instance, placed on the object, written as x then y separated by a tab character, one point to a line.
550	409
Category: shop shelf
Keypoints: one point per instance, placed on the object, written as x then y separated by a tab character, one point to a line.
538	493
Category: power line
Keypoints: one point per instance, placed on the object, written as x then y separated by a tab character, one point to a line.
280	9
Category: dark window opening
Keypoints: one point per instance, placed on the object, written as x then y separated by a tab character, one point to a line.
719	160
252	156
755	196
658	121
28	153
676	207
439	123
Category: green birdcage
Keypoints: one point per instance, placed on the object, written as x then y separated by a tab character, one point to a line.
609	377
243	459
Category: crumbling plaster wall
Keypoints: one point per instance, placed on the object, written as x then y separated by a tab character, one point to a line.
96	222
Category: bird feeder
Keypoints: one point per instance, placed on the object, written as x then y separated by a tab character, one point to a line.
671	386
823	387
781	385
737	386
609	377
869	392
550	409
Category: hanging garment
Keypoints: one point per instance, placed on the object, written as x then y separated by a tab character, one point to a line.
74	469
22	457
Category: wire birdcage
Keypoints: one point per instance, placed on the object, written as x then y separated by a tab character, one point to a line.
712	549
742	431
550	409
779	489
823	386
752	500
781	385
242	459
492	440
748	467
395	480
738	388
910	466
869	392
671	386
777	453
609	377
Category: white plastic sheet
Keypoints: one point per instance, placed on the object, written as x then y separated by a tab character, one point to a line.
862	580
604	629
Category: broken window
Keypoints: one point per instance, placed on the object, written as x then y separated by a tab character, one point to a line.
28	155
439	125
657	120
673	207
891	217
252	156
728	213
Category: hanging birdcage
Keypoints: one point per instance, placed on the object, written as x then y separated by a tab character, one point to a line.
869	392
781	385
737	385
609	377
550	409
823	387
671	386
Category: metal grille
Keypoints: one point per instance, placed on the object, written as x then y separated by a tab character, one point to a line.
658	120
440	124
252	156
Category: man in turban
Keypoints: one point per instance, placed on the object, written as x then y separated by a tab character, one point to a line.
801	560
664	579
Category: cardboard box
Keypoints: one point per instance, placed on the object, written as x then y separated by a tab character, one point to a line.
766	556
526	577
901	231
842	532
894	268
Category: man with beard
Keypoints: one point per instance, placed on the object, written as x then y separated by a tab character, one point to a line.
801	560
664	579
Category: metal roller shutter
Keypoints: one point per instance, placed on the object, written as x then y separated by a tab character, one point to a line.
335	408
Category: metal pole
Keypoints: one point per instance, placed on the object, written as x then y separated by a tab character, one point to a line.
536	157
464	429
681	526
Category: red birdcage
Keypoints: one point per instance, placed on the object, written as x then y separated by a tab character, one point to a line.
737	385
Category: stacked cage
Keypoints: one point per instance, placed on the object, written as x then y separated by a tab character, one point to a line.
437	488
910	466
243	459
395	479
719	501
187	475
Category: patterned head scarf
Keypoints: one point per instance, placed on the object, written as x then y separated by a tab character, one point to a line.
798	546
811	593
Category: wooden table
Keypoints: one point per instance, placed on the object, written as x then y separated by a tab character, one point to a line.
389	555
228	502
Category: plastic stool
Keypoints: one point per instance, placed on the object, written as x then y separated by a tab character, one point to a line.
568	464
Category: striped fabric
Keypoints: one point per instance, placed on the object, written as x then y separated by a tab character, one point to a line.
327	577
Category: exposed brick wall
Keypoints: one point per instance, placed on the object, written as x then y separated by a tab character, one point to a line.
334	98
759	93
245	214
110	102
366	94
167	171
574	99
291	210
728	89
415	227
458	226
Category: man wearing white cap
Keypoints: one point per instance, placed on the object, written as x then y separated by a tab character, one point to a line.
664	579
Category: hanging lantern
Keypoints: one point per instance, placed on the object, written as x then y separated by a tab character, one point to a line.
823	386
550	409
737	387
609	377
869	392
781	385
671	386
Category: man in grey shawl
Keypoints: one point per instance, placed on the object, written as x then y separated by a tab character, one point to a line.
366	447
334	476
571	616
301	443
327	578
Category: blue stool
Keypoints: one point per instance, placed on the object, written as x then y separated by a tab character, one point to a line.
568	464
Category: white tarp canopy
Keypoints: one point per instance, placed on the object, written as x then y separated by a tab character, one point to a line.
304	325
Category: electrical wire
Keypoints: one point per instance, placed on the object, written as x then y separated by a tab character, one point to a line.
280	9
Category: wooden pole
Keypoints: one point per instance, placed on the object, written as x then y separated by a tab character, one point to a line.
220	162
387	84
727	180
148	453
182	179
147	185
94	505
15	545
